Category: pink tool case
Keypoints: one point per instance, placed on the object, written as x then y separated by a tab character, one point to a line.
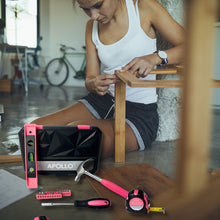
58	149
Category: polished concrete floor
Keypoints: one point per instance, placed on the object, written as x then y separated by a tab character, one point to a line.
20	108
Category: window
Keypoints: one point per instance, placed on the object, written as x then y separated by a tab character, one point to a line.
22	22
218	11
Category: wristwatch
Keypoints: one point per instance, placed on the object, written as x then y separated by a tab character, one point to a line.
163	56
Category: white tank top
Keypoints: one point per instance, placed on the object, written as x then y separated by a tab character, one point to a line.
135	43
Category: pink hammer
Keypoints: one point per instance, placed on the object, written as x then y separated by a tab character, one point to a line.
113	187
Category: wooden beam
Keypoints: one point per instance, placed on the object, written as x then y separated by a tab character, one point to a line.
194	148
156	83
10	158
120	122
133	81
166	70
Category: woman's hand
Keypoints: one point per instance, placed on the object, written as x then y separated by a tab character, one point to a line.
100	84
142	65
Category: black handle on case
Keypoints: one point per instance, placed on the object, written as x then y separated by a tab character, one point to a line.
96	203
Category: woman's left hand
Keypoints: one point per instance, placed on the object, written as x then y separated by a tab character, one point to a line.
142	65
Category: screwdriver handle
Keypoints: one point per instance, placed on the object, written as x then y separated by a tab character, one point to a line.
93	203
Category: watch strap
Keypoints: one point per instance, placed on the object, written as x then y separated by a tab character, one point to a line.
164	60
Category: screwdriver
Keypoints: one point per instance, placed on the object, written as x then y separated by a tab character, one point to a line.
96	203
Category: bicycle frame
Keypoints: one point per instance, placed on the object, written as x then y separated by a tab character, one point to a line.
62	65
64	57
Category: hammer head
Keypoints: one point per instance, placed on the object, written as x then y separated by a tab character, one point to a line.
80	170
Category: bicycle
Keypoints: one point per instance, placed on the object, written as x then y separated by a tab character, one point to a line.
57	70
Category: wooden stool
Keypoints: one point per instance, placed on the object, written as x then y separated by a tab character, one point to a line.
133	81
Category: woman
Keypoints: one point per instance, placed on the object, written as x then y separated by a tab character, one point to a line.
121	35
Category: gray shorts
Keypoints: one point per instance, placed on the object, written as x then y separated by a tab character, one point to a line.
142	118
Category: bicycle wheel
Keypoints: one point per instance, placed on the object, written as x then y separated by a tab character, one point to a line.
57	72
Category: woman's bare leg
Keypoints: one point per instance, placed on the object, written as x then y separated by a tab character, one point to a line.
78	114
108	135
75	112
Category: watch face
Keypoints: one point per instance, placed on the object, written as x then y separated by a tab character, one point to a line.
162	54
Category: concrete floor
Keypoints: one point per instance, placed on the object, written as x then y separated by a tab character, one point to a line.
20	108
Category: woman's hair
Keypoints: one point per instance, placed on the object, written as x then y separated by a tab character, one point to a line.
120	1
74	2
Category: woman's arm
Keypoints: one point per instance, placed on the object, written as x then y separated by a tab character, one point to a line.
174	33
156	18
95	82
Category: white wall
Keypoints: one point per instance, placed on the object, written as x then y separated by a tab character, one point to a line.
62	23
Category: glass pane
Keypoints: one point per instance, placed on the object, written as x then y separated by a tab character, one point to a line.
21	22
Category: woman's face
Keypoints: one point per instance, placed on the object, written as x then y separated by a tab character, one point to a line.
99	10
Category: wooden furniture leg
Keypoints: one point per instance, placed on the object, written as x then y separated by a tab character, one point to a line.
10	158
194	150
120	122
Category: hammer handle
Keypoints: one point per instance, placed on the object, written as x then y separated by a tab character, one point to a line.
115	188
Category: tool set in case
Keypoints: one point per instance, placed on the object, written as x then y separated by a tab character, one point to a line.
57	149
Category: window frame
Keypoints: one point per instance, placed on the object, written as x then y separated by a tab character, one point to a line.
3	16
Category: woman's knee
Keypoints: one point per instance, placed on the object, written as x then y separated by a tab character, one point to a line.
131	143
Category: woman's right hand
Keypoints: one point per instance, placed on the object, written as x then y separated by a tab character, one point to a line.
100	84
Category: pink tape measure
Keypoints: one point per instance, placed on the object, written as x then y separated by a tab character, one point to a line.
137	201
41	218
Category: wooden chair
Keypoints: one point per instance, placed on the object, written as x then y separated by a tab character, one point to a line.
132	81
120	94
